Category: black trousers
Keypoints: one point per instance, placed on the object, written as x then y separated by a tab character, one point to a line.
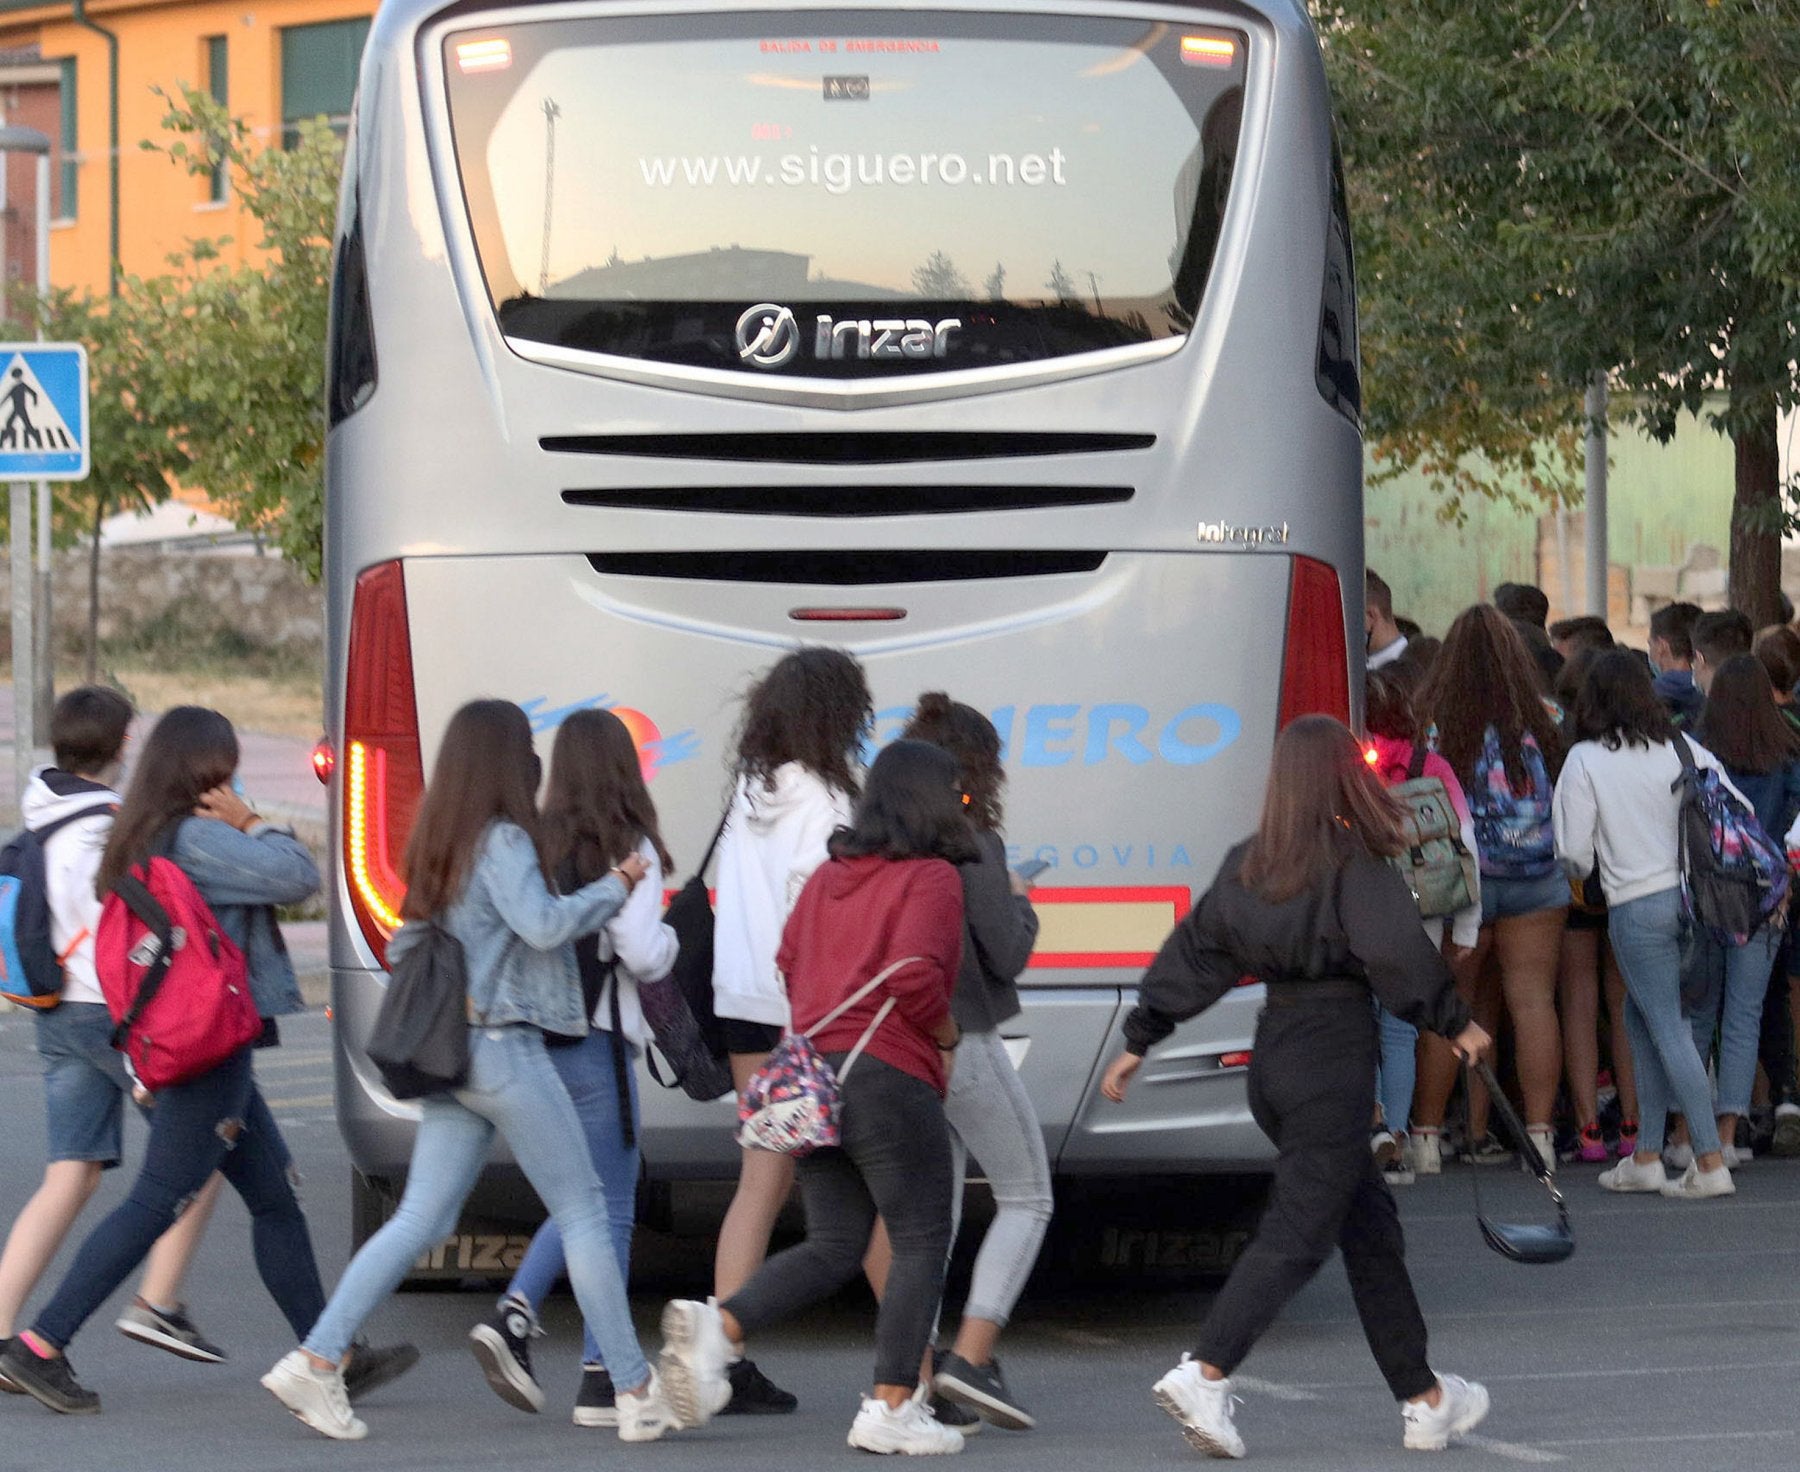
1312	1090
1775	1049
894	1161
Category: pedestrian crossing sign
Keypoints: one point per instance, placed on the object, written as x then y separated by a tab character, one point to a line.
43	411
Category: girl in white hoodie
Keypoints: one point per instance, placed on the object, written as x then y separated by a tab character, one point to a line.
795	782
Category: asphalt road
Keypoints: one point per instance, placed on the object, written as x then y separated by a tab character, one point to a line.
1668	1342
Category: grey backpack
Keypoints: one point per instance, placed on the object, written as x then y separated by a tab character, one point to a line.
1438	870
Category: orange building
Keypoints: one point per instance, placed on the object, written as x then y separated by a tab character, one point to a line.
271	62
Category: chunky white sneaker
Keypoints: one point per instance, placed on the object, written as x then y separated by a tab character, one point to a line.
1694	1184
1427	1152
1545	1140
1460	1410
1678	1157
695	1355
647	1415
1736	1155
1202	1406
911	1431
1628	1175
316	1396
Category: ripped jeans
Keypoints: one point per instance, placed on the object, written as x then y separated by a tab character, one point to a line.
215	1122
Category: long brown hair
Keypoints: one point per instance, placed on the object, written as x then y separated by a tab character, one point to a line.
812	706
596	806
1742	726
485	769
1321	793
1487	677
970	737
190	751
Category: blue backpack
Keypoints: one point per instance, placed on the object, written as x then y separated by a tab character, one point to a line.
1734	877
1512	829
31	972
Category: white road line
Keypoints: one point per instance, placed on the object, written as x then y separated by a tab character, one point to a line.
1271	1389
1513	1451
1688	1436
1698	1371
306	1101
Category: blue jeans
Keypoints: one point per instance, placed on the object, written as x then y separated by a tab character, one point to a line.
588	1072
190	1138
512	1089
1732	1005
1646	940
1399	1070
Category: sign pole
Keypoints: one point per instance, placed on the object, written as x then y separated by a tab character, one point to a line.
23	685
44	692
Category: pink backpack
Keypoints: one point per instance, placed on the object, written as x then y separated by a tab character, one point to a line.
176	985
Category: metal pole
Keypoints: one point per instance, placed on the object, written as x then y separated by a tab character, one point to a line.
44	697
1596	495
23	728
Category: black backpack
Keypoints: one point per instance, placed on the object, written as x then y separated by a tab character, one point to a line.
31	972
690	916
420	1041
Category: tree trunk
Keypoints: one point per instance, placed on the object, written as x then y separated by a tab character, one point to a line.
1754	585
93	628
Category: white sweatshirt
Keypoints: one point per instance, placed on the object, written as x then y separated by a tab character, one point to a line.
71	859
645	948
773	841
1621	806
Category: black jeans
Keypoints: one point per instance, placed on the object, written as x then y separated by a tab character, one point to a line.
1312	1090
894	1162
1776	1048
215	1122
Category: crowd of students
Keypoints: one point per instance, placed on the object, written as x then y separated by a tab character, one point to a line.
1558	753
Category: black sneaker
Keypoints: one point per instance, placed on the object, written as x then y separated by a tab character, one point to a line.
169	1329
371	1368
947	1412
596	1403
982	1388
49	1382
6	1385
755	1394
502	1345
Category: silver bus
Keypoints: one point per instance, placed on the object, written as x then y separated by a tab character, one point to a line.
1010	347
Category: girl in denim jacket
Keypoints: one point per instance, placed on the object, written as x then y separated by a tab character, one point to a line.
473	864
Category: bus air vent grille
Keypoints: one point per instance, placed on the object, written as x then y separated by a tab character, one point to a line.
841	500
844	567
848	447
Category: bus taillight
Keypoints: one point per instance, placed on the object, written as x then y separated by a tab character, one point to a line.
384	774
1315	674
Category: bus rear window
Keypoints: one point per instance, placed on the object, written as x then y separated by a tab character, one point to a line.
845	194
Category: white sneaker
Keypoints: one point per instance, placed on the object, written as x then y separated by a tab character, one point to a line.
1787	1130
1736	1155
1203	1407
911	1431
1427	1152
316	1396
695	1354
647	1415
1678	1157
1459	1410
1695	1184
1628	1175
1385	1148
1545	1140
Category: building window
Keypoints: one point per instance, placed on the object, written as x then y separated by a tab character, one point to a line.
68	173
217	58
318	74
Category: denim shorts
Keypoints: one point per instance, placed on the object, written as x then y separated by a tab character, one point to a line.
85	1084
1507	899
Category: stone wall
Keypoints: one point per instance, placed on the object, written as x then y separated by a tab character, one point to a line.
262	599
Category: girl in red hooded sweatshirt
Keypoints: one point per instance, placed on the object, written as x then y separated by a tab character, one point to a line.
889	892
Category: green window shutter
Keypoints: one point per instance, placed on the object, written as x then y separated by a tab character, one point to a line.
218	58
69	173
318	74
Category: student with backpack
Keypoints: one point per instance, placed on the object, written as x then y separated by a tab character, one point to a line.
1312	907
885	911
475	869
1503	741
1398	753
231	868
793	783
597	812
47	934
1618	803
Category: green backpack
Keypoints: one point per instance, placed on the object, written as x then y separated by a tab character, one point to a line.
1438	870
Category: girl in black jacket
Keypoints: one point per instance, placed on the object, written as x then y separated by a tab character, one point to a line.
1311	908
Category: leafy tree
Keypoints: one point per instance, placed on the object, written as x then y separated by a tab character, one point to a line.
1061	284
940	279
1547	189
995	285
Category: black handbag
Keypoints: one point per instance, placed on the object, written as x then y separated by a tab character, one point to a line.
690	916
420	1041
1528	1242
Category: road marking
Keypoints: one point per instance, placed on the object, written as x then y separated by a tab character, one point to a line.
296	1060
1088	1337
1513	1451
308	1101
1271	1389
1756	1366
1688	1436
